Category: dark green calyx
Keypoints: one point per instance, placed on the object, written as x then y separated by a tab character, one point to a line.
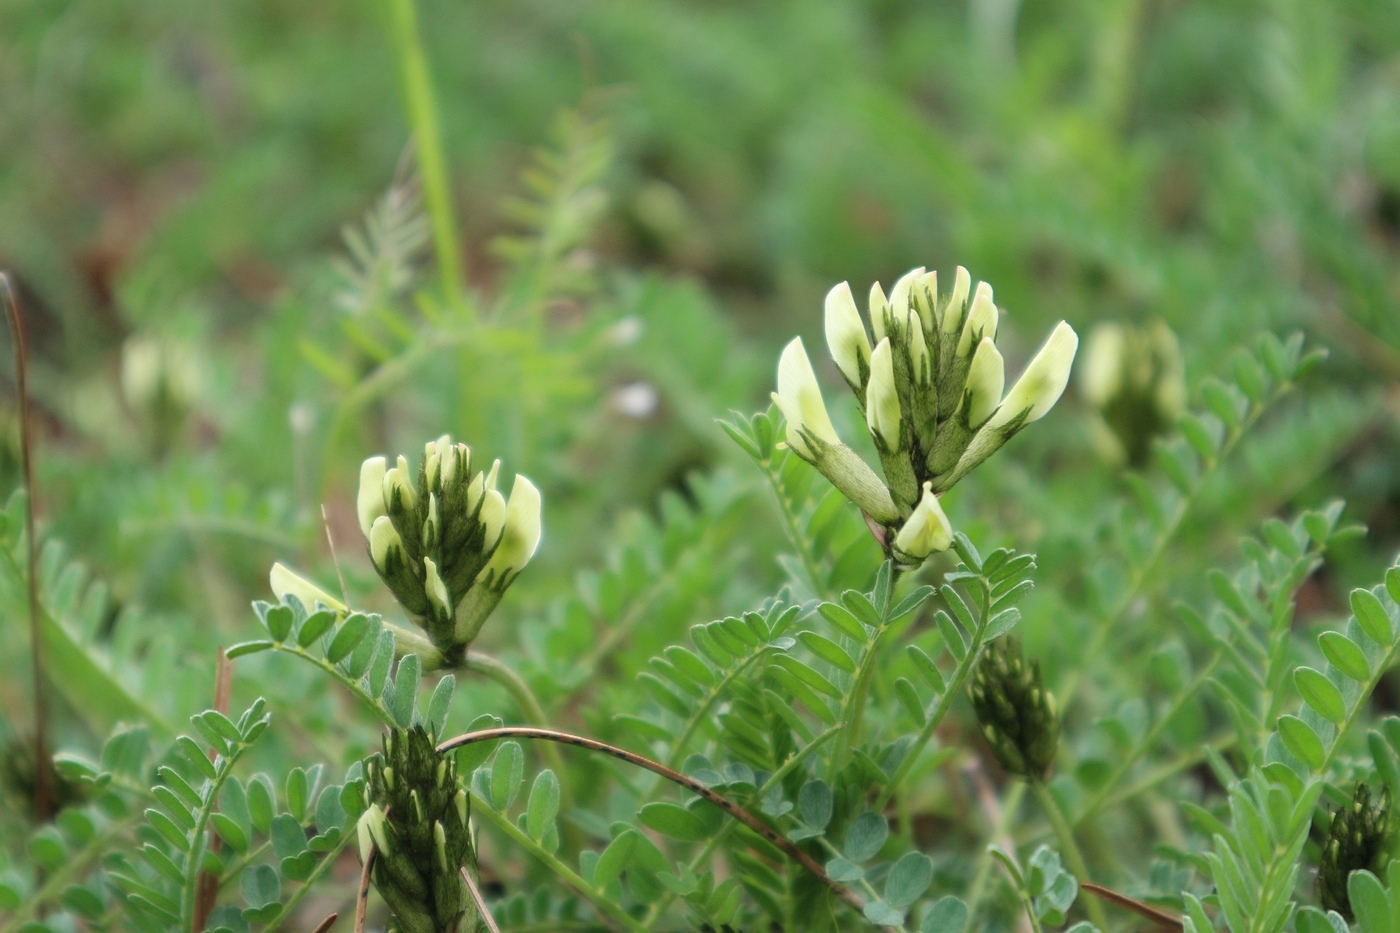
417	821
1357	838
1016	713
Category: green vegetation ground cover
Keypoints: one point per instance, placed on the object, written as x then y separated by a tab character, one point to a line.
232	266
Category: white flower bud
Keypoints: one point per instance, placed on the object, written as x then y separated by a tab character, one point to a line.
953	312
287	583
1040	386
845	334
985	378
493	516
918	350
399	482
800	399
455	458
369	503
521	534
383	538
879	309
372	824
431	524
926	530
1101	373
435	588
474	491
901	293
925	298
440	847
981	320
881	398
493	474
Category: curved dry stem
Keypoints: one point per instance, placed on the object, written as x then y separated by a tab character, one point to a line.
843	893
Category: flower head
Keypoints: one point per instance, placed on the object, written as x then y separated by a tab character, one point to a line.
930	390
430	537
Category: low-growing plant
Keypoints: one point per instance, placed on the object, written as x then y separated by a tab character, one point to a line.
800	694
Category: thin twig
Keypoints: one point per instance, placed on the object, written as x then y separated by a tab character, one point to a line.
1159	917
362	894
482	910
325	924
845	894
44	803
330	540
206	893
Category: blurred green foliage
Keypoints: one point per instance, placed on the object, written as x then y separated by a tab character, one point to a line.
652	199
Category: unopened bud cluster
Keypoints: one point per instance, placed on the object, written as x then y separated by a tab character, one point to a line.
1134	378
445	541
416	821
929	379
1357	838
1016	713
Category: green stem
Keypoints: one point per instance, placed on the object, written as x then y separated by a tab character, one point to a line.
432	166
386	717
940	709
323	865
978	889
945	702
1147	740
599	899
526	701
854	709
703	856
771	470
1068	847
194	864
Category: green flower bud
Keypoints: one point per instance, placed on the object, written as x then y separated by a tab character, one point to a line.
425	817
370	501
1357	839
1017	715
